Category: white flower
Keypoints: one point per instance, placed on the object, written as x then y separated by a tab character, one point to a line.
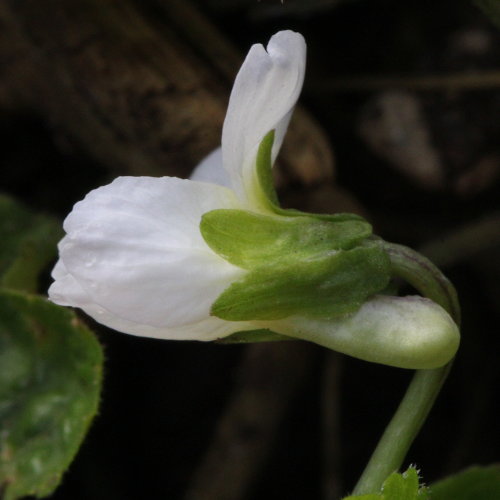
135	260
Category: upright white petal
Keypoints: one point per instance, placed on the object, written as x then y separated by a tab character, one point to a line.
263	96
210	169
134	247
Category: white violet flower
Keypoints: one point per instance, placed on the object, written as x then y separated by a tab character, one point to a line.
207	257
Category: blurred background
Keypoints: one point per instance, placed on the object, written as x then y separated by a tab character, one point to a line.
398	121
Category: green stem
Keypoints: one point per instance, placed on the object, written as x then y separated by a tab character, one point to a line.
425	385
402	429
423	275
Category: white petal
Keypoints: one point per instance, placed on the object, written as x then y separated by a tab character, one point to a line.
135	248
211	170
263	96
207	329
59	270
67	292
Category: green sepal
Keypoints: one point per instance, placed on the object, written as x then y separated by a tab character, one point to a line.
252	336
326	286
28	244
264	170
474	483
267	193
50	380
398	487
248	239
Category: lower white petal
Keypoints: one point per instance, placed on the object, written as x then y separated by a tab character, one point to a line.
136	250
67	292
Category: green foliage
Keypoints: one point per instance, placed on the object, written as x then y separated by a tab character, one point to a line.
475	483
398	487
28	245
50	376
50	364
491	8
404	487
326	286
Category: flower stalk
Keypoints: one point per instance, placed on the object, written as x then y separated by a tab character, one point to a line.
425	385
402	429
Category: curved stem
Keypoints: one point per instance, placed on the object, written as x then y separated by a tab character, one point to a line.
425	385
422	274
402	429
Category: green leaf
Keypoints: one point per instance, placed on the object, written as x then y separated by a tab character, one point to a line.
404	487
50	378
398	487
28	244
327	286
248	239
475	483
